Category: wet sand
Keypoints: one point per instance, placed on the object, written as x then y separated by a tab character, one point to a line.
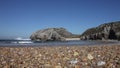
105	56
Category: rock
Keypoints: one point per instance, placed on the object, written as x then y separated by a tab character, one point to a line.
52	57
66	58
98	55
3	62
105	31
51	34
48	66
100	63
90	57
58	66
76	53
73	62
77	66
6	66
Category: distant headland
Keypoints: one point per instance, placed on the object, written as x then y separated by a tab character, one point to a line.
107	31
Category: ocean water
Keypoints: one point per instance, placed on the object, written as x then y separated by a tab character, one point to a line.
21	43
53	43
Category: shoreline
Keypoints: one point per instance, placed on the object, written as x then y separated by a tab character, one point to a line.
35	46
63	43
69	39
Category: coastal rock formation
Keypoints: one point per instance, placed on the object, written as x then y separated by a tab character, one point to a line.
51	34
103	32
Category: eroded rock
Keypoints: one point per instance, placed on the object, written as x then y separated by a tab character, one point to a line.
51	34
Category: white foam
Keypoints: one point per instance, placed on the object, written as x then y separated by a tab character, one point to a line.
19	38
21	42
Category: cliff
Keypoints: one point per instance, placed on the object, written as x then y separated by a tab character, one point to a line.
105	31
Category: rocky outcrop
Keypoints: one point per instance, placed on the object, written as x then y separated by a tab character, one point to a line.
103	32
51	34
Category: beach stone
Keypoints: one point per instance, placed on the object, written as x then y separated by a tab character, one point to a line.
65	67
66	58
73	62
109	57
12	60
99	55
77	66
58	66
39	55
3	62
47	66
100	63
90	57
110	65
84	59
76	53
6	66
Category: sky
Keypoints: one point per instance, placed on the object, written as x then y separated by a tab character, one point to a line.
20	18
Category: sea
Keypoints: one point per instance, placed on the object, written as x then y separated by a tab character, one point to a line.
28	42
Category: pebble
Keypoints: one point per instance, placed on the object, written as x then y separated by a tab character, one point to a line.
99	55
90	57
3	62
74	61
5	66
100	63
76	53
47	66
60	57
12	60
66	58
77	66
58	66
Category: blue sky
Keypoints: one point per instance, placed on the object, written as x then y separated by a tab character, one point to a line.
20	18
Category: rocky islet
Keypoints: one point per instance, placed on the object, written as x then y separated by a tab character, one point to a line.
52	34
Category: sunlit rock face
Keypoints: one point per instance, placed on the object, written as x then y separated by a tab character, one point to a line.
105	31
51	34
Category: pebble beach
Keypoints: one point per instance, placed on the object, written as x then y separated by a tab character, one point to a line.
105	56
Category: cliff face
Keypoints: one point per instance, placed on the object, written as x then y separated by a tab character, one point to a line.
51	34
105	31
